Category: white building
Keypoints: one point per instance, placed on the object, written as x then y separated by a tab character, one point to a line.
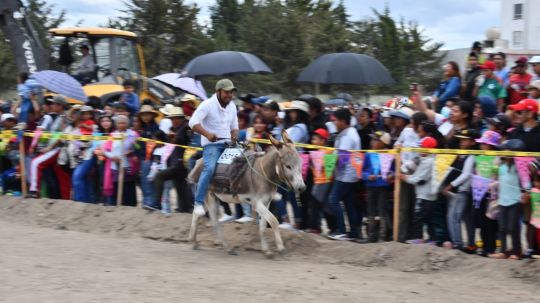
520	24
519	34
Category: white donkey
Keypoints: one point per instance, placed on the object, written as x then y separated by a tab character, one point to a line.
257	186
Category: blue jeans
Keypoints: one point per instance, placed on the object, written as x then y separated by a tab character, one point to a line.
82	188
456	206
146	186
26	105
343	191
281	205
211	154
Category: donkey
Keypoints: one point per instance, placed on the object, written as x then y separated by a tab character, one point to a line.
258	187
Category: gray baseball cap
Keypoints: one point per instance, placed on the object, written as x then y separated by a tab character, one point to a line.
59	99
225	84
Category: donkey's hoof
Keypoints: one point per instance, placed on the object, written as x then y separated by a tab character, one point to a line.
282	252
232	252
196	246
269	255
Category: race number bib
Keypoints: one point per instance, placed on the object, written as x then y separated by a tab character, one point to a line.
228	156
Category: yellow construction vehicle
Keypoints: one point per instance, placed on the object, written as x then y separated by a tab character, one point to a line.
117	56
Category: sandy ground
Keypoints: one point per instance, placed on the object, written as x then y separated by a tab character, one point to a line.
61	251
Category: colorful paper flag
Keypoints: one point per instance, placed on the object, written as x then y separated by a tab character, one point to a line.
357	161
167	151
442	163
386	164
317	159
330	164
343	159
485	166
480	186
523	170
535	203
305	164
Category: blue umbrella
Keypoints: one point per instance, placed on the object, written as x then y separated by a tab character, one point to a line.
346	68
186	84
336	102
226	63
61	83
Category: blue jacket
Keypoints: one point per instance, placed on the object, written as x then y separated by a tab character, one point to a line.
372	166
448	89
132	102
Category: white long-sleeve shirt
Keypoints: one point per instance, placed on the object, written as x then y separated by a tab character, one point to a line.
215	119
86	65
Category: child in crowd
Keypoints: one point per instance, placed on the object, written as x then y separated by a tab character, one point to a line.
490	140
509	202
378	188
130	98
321	184
86	121
457	188
159	162
425	196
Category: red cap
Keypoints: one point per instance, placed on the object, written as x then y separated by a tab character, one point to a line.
522	60
323	133
488	65
428	142
525	104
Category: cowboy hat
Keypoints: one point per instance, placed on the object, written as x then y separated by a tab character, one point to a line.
172	112
188	97
147	109
299	105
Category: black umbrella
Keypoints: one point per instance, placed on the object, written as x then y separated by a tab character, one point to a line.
346	68
226	63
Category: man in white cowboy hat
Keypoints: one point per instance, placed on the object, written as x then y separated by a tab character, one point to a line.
179	134
216	120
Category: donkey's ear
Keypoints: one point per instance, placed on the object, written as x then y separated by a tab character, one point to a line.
285	137
275	142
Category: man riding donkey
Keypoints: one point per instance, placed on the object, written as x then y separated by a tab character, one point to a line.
215	119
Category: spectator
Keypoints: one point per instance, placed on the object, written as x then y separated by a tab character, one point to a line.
501	70
449	87
500	123
147	116
534	89
378	189
175	170
316	116
509	197
490	140
469	83
489	85
48	155
528	129
457	186
366	125
130	98
86	67
425	196
321	187
519	82
535	62
483	109
345	179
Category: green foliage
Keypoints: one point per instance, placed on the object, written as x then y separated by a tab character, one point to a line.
43	17
401	47
169	32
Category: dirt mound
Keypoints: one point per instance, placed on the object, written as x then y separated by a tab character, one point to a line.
136	222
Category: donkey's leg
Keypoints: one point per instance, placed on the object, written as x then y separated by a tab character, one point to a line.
213	209
262	228
271	219
193	231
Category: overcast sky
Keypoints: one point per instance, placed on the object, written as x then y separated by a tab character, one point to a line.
456	23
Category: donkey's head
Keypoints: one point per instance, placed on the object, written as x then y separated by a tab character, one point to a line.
289	164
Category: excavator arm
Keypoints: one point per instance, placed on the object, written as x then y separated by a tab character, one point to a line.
30	55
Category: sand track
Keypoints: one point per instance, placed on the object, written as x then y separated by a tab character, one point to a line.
116	259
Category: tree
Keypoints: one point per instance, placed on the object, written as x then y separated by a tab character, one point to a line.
43	17
169	32
402	48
